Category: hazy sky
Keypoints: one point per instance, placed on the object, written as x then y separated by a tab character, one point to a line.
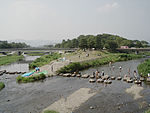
61	19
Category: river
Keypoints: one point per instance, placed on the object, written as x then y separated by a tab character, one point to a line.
34	97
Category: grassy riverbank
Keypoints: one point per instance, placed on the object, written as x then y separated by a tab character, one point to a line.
44	60
10	59
144	68
105	59
36	54
33	78
2	85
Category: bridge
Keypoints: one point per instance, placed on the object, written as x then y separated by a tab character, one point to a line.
37	50
136	50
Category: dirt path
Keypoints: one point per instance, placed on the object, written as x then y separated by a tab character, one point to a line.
54	66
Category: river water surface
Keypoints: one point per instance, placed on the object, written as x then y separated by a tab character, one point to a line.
34	97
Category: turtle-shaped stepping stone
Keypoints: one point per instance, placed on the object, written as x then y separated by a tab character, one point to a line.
109	81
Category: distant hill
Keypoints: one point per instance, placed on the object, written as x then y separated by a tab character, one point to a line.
100	41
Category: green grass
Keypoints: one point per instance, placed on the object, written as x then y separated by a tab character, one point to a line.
33	78
36	54
44	60
144	68
2	85
10	59
113	57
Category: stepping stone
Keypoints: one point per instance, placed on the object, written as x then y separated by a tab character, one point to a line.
67	75
119	78
129	80
73	75
100	80
141	79
148	79
85	76
113	78
92	76
137	82
78	75
92	80
109	81
105	77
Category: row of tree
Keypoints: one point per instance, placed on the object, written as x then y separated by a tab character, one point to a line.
5	45
100	41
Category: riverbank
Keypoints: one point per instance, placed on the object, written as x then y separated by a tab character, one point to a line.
104	58
10	59
144	68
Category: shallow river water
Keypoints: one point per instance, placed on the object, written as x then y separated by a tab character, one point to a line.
34	97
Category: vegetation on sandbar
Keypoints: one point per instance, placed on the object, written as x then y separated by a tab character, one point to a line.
2	85
111	57
44	60
50	111
144	68
33	78
10	59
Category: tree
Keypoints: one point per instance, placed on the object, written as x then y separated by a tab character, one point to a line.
112	46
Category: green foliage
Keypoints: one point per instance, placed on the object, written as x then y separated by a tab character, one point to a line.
9	59
33	78
5	45
77	66
36	54
2	85
144	68
44	60
99	41
50	111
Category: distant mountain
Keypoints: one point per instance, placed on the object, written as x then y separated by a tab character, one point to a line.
34	43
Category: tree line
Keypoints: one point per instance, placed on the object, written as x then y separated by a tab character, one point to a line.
6	45
100	41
